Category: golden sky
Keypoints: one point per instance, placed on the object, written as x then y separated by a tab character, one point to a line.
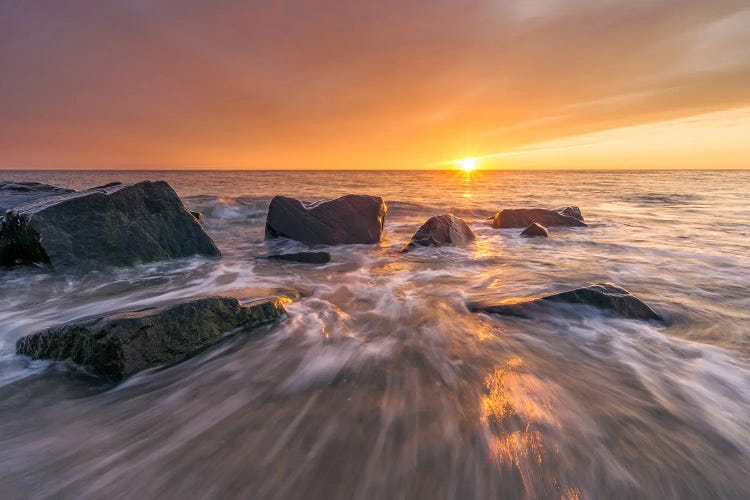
366	84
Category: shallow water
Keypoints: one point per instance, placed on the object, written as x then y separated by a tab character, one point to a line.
380	383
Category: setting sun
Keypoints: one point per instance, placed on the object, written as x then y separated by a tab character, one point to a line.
467	164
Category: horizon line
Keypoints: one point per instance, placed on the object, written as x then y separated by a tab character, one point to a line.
190	169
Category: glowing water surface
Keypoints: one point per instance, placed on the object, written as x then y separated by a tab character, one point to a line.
380	383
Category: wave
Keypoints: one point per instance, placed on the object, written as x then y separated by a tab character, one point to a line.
663	199
243	207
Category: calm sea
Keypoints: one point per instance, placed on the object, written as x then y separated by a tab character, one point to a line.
380	383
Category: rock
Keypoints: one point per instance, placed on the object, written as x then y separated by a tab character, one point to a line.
606	296
197	215
303	257
118	345
441	230
571	212
116	225
535	230
347	220
18	193
523	217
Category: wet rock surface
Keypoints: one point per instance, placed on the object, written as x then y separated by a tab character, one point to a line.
570	211
118	345
523	217
535	230
116	224
441	230
350	219
303	257
18	193
605	296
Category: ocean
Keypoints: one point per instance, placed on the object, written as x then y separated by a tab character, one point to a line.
380	383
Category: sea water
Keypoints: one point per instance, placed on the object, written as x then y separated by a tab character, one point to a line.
380	383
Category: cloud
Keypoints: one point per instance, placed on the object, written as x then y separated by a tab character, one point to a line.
709	140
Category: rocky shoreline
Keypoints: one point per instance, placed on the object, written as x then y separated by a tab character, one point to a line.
122	225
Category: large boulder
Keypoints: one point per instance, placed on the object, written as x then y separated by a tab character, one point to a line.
606	296
535	230
117	345
116	225
441	230
347	220
18	193
524	217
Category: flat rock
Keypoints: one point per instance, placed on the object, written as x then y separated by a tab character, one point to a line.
118	345
535	230
303	257
441	230
524	217
350	219
605	296
18	193
116	224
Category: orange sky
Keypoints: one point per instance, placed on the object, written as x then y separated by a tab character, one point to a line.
362	84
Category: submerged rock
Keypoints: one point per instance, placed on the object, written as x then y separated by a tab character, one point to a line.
606	296
18	193
535	230
441	230
303	257
347	220
116	225
523	217
118	345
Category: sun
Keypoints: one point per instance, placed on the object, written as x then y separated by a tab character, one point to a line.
467	164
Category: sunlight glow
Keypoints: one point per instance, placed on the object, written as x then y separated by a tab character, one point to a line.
467	164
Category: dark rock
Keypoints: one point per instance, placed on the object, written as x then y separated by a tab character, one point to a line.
197	215
115	225
303	257
523	217
117	345
18	193
535	230
441	230
606	296
346	220
571	212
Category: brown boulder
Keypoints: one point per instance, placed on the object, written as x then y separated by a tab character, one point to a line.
441	230
524	217
535	230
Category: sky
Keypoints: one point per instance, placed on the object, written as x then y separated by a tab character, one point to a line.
374	84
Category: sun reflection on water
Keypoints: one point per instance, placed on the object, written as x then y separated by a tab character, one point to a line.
517	409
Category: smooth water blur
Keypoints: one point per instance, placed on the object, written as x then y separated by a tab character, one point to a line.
380	383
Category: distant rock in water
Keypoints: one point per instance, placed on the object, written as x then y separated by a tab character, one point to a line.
350	219
17	193
535	230
439	231
303	257
571	212
523	217
118	345
604	296
116	225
